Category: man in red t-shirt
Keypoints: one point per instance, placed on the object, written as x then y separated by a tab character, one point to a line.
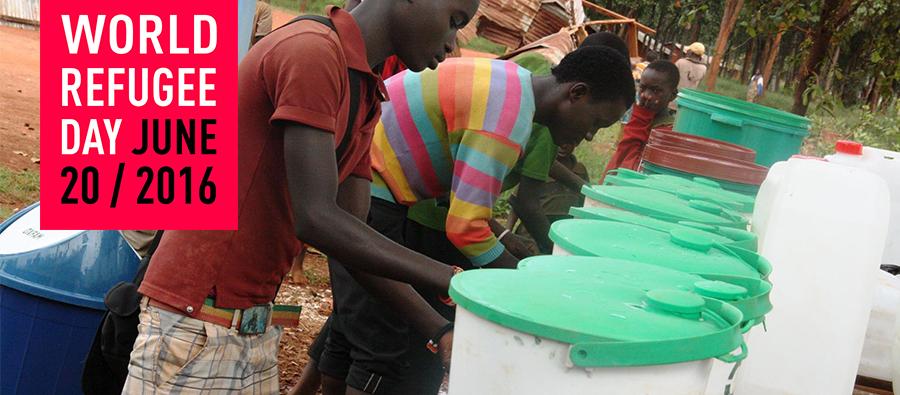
293	185
658	87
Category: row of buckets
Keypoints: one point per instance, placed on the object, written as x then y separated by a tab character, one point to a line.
663	282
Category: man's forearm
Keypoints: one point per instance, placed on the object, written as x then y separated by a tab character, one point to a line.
353	197
527	204
562	174
404	300
320	221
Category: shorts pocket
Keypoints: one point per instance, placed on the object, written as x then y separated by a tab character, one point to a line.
183	340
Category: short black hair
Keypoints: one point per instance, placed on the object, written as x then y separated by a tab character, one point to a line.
668	69
603	69
608	39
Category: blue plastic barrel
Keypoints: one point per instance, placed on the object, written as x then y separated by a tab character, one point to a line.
52	285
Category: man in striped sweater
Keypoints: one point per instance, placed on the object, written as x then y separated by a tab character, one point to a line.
453	134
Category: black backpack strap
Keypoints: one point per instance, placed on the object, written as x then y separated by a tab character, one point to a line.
355	78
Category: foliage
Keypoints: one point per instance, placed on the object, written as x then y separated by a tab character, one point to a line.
17	189
483	45
858	124
311	6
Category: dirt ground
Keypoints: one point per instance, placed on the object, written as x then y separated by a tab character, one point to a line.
20	95
316	301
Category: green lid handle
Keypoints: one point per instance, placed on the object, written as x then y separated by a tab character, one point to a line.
759	262
626	173
707	182
730	358
700	226
748	325
724	119
661	352
708	207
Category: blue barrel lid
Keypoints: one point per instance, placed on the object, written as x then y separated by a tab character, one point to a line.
73	267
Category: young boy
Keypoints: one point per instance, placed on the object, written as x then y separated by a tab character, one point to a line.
539	163
293	184
658	87
453	134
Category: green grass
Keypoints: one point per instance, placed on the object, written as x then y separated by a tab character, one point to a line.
482	44
312	6
781	100
596	154
17	189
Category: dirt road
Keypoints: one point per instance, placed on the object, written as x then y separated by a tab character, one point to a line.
20	96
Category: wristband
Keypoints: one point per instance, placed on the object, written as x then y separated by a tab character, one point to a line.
433	344
447	300
502	234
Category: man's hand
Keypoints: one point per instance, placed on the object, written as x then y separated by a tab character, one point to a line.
654	105
519	246
445	349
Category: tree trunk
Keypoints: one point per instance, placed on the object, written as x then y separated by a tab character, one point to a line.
748	56
770	59
732	9
762	53
872	94
831	68
834	14
695	28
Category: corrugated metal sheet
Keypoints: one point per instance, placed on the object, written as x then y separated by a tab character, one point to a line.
516	22
21	12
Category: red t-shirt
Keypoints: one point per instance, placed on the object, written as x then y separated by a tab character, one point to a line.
298	74
635	134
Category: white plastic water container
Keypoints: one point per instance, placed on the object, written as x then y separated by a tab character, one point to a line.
825	234
769	189
887	165
876	359
896	358
530	333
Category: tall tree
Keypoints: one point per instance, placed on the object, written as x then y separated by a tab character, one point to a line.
732	10
770	59
833	15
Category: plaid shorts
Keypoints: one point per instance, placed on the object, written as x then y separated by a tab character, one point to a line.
175	354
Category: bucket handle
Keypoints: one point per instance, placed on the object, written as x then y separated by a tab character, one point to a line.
731	358
720	118
661	352
749	324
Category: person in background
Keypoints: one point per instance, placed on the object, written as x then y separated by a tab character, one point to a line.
691	66
755	88
294	183
658	87
454	134
262	21
649	57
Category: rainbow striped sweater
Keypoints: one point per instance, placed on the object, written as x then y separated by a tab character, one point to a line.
454	132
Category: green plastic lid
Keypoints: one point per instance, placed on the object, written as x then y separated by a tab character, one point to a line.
663	205
607	325
611	214
681	249
750	296
751	111
698	189
722	234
